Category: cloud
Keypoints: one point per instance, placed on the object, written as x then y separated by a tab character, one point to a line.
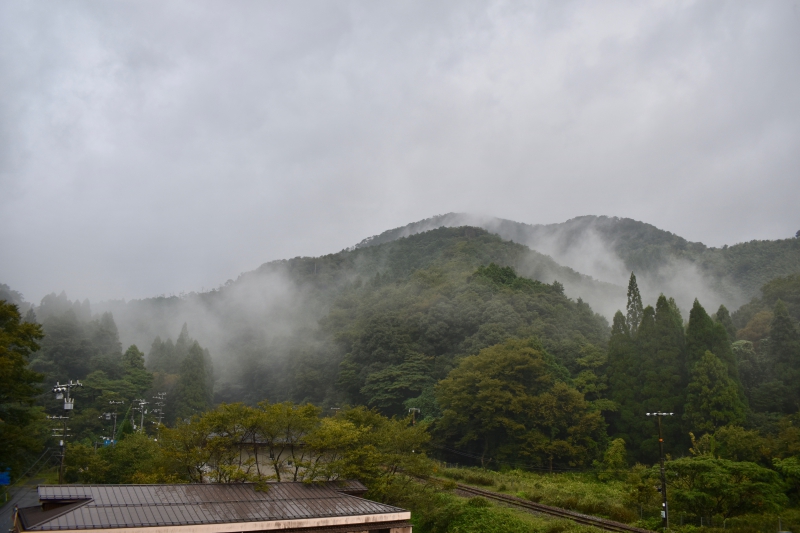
153	148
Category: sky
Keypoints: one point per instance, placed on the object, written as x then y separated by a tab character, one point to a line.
152	147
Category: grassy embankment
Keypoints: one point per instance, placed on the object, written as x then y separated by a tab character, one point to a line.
614	499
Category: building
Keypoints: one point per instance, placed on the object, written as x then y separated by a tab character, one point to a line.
210	508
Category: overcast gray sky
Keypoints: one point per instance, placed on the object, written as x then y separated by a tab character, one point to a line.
159	147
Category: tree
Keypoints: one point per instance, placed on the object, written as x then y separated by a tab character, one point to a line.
624	367
192	394
634	306
703	334
135	372
712	398
662	377
707	487
784	348
283	427
19	386
511	400
723	317
615	461
387	389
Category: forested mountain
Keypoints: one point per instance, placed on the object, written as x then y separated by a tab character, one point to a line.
489	341
401	311
610	248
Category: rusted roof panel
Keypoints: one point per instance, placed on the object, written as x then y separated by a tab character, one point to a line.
117	506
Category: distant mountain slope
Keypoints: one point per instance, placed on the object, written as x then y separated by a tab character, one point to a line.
282	330
609	248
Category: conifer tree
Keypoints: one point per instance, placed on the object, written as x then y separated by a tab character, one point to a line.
703	334
724	317
192	395
623	384
135	372
784	350
712	397
19	387
634	307
662	379
699	334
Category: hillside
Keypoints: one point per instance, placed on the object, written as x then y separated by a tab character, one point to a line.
609	248
282	330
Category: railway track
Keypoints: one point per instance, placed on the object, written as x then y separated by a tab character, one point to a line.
580	518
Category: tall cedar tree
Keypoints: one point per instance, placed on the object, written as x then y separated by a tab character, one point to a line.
624	367
662	377
18	387
192	392
723	317
784	348
712	397
703	334
135	373
635	310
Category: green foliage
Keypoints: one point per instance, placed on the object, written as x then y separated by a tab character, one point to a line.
785	288
723	317
784	349
706	486
712	398
399	338
578	491
634	307
136	458
389	389
736	443
498	276
75	344
236	443
615	461
512	401
646	373
192	392
134	370
19	385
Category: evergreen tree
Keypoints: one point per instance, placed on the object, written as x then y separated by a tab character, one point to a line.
662	378
19	386
162	357
699	333
192	394
135	372
703	334
712	397
105	336
624	367
784	350
724	317
634	308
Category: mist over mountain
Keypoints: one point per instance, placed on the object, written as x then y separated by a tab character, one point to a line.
609	248
284	330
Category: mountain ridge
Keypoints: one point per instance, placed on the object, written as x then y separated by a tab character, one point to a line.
609	248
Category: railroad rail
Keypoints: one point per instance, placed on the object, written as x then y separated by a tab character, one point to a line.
580	518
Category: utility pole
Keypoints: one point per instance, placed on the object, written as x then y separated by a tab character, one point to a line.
413	411
114	414
59	390
142	402
160	401
109	416
664	507
63	391
62	436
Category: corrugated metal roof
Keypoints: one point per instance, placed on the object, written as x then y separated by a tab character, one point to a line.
116	506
